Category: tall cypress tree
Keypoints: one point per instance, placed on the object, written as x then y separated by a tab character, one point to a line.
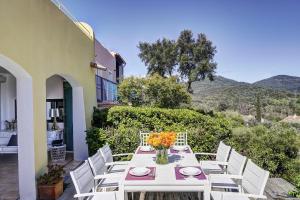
258	108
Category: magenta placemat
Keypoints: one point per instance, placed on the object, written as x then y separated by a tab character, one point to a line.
139	151
175	151
179	176
150	176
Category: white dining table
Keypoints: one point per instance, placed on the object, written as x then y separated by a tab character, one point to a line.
165	179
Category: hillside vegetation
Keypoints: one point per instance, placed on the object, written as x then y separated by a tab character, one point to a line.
281	82
226	94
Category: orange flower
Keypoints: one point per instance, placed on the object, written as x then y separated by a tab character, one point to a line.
162	139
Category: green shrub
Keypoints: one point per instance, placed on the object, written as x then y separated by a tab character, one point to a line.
204	132
296	192
100	117
95	138
153	90
273	148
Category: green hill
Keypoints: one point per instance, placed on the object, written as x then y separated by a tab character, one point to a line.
281	82
228	94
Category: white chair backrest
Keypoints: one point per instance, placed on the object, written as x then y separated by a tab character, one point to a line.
223	152
236	163
83	178
181	139
143	139
106	153
97	163
254	179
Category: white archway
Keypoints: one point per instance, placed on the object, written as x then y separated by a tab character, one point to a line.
26	157
79	121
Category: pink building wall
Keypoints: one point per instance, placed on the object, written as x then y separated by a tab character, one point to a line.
105	58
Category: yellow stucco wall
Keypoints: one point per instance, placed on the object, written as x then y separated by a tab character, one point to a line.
39	37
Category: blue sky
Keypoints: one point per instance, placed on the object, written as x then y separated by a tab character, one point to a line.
255	39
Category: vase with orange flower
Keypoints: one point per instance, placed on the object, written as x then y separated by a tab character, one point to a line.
161	142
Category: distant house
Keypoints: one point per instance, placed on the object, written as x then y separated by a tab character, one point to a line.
108	75
292	119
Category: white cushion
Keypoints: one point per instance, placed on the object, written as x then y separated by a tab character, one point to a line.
4	141
224	196
9	149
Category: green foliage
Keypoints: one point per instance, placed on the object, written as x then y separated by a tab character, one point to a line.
196	57
273	148
235	117
258	109
296	192
160	57
153	91
223	106
130	91
165	92
294	105
241	97
150	119
95	138
53	176
204	132
100	117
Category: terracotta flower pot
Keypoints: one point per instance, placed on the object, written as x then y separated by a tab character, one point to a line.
51	192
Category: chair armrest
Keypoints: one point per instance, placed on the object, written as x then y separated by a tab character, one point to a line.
215	162
123	154
116	163
255	196
107	176
237	177
90	194
204	154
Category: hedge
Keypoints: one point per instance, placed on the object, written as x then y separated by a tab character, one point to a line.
204	132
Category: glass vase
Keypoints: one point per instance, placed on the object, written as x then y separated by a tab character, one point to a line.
162	156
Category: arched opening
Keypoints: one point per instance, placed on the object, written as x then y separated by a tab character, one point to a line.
66	123
8	136
17	121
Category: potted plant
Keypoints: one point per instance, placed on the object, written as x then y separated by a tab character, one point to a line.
162	142
50	184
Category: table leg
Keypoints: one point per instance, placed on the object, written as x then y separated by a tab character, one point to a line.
125	196
142	195
206	193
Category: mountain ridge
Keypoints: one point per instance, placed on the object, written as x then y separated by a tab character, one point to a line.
276	95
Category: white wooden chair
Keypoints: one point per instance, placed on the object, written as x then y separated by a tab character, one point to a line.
143	139
253	184
216	166
181	139
84	183
235	166
113	166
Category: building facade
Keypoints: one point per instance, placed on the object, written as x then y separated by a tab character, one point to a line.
108	75
48	57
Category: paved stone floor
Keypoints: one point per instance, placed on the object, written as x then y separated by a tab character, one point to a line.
9	188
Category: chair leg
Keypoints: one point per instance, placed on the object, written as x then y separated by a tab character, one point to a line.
125	196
